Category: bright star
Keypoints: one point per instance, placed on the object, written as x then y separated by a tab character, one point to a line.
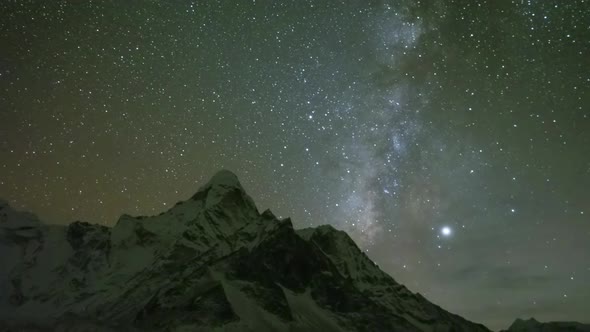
446	231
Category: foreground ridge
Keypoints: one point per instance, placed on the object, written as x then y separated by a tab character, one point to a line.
210	263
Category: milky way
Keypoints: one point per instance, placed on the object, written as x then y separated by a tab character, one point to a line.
451	139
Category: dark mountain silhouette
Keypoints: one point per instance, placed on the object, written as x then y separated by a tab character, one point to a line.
532	325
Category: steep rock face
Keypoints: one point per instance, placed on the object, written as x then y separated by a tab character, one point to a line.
378	286
532	325
212	262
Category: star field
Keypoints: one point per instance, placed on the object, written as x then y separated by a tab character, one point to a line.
451	139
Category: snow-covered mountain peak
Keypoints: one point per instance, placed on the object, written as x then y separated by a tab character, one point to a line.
343	251
224	189
212	262
224	178
14	219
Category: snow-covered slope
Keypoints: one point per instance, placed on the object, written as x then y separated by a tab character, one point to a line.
532	325
211	263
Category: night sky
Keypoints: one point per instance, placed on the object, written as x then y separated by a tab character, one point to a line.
451	139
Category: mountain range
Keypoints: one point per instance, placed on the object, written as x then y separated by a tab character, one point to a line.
210	263
532	325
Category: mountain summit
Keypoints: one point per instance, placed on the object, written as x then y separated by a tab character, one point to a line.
532	325
211	263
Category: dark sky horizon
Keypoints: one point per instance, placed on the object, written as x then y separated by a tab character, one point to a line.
450	139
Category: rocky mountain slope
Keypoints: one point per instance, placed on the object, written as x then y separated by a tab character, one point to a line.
532	325
211	263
